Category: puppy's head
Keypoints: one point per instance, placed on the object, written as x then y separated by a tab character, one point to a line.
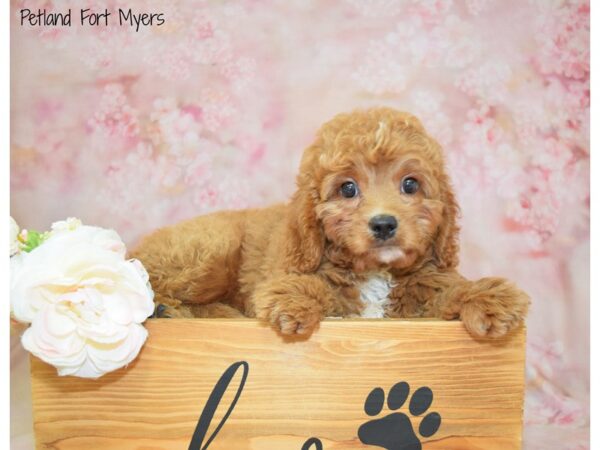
373	193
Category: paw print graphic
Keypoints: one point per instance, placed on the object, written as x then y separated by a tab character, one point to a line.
395	431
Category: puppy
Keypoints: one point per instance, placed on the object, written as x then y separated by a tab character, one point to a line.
371	231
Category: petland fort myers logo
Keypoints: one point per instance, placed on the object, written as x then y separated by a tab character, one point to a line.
393	431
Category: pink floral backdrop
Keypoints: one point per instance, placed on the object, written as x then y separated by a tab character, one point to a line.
212	110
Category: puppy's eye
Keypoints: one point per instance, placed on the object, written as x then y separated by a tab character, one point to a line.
410	185
349	189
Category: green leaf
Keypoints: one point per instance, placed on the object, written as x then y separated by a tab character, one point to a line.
34	239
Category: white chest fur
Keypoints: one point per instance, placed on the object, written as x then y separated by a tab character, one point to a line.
374	294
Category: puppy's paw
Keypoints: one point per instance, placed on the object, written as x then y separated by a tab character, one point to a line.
171	312
297	322
494	307
292	304
290	314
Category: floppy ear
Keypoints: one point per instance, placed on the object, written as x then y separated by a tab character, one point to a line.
304	241
445	246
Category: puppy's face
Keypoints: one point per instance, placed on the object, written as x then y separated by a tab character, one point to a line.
380	184
383	213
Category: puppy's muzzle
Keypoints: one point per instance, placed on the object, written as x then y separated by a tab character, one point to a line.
383	227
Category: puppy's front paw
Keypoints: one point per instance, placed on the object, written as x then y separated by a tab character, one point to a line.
494	307
290	315
292	304
301	322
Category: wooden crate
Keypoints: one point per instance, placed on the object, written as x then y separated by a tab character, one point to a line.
289	392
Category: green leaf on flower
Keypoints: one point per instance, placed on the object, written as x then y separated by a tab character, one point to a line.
34	239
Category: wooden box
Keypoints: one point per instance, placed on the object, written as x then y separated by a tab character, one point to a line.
399	384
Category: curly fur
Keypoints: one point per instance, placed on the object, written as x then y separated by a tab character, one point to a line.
293	264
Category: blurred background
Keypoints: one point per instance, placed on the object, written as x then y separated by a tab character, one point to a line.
135	130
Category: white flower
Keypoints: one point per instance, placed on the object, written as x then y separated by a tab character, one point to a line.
84	300
66	225
71	232
14	234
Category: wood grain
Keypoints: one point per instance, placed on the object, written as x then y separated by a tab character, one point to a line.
295	389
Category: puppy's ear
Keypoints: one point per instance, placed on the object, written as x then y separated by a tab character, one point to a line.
304	241
445	246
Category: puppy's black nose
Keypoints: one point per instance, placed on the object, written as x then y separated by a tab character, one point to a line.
383	227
